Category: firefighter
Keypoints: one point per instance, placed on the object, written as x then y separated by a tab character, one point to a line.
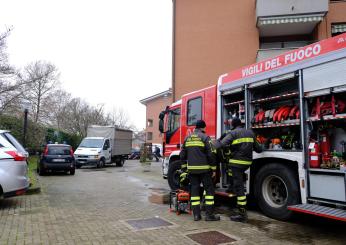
197	150
224	155
241	142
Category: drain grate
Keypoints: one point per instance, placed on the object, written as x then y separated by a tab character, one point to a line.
151	223
210	238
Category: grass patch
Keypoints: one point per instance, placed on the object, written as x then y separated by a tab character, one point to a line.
32	169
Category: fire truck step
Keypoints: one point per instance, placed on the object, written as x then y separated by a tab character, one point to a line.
327	212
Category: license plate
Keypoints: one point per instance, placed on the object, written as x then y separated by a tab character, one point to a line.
58	160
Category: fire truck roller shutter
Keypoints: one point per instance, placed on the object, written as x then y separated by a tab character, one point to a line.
330	74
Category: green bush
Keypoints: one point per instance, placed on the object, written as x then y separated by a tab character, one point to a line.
37	135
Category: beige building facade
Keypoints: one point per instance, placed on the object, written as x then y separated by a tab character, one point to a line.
154	105
211	38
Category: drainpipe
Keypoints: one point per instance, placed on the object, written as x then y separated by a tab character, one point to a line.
173	50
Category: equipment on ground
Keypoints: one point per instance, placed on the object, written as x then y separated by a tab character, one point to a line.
179	202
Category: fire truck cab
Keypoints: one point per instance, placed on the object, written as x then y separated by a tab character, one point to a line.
296	105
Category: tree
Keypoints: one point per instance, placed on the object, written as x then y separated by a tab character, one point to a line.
78	115
120	118
11	88
58	108
42	80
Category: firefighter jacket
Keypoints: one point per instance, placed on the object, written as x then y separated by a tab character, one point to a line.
241	142
198	151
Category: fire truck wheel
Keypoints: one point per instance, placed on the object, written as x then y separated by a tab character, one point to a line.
276	187
173	175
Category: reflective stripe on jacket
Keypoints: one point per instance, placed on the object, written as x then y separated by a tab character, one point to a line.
241	142
198	151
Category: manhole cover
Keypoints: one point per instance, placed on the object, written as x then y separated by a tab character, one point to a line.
150	223
210	238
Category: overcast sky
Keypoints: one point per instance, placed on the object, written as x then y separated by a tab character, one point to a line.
114	52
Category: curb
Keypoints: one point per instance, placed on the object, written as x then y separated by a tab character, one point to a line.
32	191
36	189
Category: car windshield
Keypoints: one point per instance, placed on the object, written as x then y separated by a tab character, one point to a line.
59	150
91	143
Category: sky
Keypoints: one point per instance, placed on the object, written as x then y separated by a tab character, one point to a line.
111	52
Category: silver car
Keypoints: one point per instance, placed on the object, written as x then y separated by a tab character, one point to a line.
13	166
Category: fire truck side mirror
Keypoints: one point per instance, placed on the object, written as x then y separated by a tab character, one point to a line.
161	117
161	126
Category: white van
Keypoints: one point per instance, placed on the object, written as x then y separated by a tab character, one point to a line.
104	144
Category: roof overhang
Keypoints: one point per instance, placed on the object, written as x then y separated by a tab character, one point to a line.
288	24
163	94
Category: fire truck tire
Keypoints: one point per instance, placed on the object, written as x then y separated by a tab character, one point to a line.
173	175
275	188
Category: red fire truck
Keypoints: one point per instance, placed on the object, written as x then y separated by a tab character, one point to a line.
296	105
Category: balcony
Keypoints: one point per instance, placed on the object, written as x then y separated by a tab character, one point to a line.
270	50
289	17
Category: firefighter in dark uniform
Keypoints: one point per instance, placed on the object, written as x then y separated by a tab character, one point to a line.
197	150
242	142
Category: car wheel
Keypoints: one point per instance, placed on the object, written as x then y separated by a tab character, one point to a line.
101	163
173	174
276	187
72	171
78	166
41	172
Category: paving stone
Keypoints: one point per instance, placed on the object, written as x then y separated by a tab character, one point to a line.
92	207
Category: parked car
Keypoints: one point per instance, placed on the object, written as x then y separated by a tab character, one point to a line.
135	154
56	157
13	166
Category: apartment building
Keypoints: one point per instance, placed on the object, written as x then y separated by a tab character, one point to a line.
154	105
211	38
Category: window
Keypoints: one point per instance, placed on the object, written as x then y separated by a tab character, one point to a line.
194	111
150	123
59	150
106	146
174	120
149	136
338	28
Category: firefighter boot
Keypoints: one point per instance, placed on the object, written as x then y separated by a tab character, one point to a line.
241	216
197	213
209	214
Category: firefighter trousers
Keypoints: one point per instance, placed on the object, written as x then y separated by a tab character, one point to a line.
238	184
206	180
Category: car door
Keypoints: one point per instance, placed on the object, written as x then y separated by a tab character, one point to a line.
107	151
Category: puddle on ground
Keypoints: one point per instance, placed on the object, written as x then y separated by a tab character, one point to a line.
31	211
260	224
92	169
276	230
